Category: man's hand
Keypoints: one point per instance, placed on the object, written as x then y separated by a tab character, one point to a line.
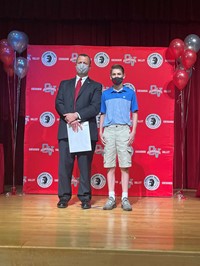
70	117
64	115
76	125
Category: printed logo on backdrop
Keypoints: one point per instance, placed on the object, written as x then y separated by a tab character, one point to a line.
74	57
152	151
47	119
130	86
105	88
153	121
130	182
27	119
101	59
75	181
98	181
155	60
24	179
44	180
151	182
35	58
47	149
99	149
129	59
49	88
154	90
49	58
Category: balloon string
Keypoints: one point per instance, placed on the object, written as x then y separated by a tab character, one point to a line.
182	139
184	119
14	136
14	96
12	131
188	99
17	105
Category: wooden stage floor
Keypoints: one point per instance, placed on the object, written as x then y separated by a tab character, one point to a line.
159	231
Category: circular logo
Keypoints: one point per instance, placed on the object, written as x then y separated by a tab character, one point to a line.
74	57
98	181
44	180
155	60
101	59
47	119
151	182
130	86
49	58
153	121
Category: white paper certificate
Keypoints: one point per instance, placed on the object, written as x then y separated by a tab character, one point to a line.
79	141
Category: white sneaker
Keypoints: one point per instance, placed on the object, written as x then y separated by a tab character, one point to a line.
126	206
110	204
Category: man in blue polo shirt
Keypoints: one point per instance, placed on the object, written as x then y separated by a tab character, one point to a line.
117	132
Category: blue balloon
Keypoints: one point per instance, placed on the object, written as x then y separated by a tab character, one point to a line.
18	40
21	67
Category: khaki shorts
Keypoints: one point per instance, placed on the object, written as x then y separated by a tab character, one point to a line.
116	137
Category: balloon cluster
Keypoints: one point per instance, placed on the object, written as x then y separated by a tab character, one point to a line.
16	41
185	54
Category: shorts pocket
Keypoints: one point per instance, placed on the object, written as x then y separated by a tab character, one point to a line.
130	150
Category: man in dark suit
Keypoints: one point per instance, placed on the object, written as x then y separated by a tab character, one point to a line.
74	108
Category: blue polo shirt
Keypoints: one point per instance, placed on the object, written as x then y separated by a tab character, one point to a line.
117	106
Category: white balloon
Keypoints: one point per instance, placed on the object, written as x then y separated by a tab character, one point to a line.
192	42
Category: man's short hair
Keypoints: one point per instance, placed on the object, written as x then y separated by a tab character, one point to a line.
116	66
85	55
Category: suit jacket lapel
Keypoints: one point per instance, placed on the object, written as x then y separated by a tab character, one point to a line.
72	87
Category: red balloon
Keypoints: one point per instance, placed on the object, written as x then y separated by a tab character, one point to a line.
176	48
189	70
180	78
4	43
7	55
188	57
9	70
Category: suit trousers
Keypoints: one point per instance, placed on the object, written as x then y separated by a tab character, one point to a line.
66	166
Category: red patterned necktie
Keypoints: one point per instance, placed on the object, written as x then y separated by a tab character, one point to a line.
77	89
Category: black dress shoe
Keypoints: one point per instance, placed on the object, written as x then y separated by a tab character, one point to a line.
62	204
86	205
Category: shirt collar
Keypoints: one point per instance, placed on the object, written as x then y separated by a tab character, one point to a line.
83	78
123	89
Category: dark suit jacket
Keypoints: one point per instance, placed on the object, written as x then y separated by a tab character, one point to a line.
87	104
